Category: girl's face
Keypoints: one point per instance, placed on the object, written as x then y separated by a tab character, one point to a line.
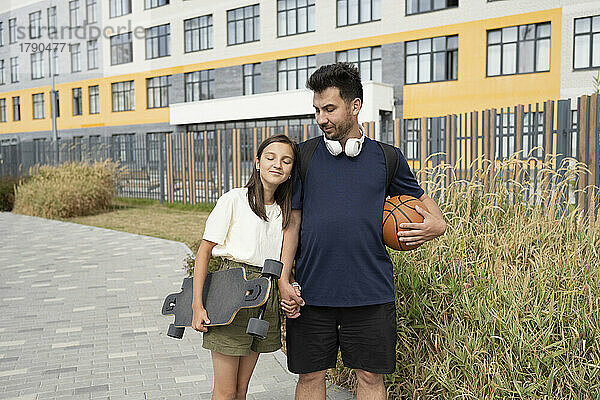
275	163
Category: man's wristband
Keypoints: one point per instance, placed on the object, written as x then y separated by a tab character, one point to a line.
296	285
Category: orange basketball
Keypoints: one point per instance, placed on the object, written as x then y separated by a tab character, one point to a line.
398	210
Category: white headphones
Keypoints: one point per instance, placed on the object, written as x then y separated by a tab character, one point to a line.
352	148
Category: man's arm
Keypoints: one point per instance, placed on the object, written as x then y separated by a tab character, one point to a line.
291	235
433	224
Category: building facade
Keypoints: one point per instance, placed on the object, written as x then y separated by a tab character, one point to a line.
125	68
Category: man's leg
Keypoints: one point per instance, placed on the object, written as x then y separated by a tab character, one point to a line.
370	386
311	386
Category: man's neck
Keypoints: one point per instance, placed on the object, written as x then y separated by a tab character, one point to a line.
354	133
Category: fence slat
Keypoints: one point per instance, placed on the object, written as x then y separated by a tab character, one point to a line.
581	148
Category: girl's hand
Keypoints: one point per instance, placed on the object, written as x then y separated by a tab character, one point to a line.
199	318
290	307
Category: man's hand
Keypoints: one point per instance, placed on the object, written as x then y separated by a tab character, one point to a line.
290	299
419	233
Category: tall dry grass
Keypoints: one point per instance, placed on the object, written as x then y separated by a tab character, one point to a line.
505	305
68	190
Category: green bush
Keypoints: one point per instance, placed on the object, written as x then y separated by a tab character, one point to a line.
7	191
68	190
505	305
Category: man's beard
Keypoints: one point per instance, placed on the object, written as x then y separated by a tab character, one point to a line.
340	130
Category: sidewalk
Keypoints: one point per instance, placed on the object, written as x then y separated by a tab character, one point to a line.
81	319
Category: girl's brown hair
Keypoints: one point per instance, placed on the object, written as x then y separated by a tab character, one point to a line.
283	193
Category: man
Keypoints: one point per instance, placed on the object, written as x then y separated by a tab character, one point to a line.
336	237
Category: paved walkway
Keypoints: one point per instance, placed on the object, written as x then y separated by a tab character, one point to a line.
81	319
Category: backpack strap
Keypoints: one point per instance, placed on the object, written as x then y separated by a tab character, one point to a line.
391	163
306	152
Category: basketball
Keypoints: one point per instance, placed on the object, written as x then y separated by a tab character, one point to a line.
398	210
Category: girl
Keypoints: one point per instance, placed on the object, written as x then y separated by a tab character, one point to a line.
245	228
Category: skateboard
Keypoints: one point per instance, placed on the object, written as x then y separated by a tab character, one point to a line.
225	293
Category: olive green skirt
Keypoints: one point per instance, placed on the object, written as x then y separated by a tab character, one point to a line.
232	339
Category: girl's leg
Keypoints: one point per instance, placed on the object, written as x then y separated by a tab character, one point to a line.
225	370
246	367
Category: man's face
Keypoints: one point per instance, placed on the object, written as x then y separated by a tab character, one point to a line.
334	116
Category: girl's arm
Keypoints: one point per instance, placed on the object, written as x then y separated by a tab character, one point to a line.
288	294
200	272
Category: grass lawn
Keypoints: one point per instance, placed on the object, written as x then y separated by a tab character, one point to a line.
180	222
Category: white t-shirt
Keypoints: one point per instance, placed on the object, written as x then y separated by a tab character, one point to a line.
240	234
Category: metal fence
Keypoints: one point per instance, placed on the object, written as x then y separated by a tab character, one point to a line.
198	166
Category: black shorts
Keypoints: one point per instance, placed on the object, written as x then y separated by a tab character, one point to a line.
366	336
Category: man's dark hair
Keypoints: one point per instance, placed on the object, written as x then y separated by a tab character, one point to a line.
344	76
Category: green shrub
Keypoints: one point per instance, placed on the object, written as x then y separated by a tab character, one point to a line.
505	305
69	190
7	191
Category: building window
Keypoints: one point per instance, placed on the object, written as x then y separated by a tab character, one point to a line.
53	62
91	11
56	102
119	8
367	59
35	25
38	106
292	73
52	30
148	4
94	95
198	33
122	146
199	85
157	91
75	51
74	15
2	73
121	50
243	25
295	16
158	41
432	60
37	65
587	43
123	96
1	34
14	69
16	102
518	49
352	12
2	110
251	78
12	30
77	102
92	54
422	6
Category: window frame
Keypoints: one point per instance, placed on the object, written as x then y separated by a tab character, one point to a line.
255	18
92	62
16	106
254	77
590	34
196	85
310	6
2	72
431	52
37	65
91	5
38	105
75	57
158	4
74	8
3	113
14	69
123	44
119	10
77	104
35	24
12	30
517	42
157	84
311	66
359	62
52	22
96	102
432	4
126	89
358	2
154	35
209	29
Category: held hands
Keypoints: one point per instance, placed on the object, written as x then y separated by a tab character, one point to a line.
290	300
199	318
419	233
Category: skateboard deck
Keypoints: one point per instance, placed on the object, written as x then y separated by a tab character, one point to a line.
225	293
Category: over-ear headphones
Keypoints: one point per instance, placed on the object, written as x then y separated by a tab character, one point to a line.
352	148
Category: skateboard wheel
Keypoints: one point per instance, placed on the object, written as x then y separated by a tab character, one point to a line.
272	268
258	327
175	332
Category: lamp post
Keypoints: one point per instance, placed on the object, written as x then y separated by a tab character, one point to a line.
53	91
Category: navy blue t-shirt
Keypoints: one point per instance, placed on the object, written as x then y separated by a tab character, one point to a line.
341	260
